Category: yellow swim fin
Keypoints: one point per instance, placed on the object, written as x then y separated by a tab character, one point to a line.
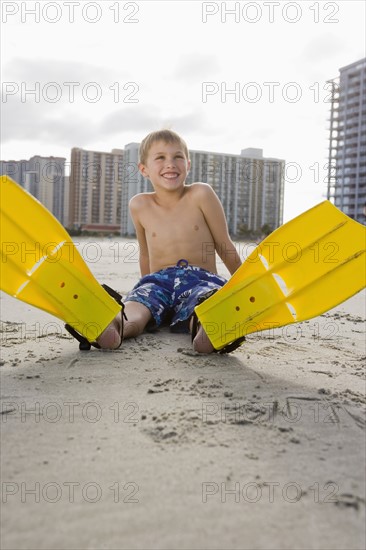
41	266
304	268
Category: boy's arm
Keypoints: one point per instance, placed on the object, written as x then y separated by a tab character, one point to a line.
215	218
135	204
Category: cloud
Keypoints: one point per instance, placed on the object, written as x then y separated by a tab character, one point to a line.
40	122
322	48
147	118
51	70
196	65
66	126
261	133
134	118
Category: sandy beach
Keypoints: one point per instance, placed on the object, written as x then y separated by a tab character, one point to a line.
155	447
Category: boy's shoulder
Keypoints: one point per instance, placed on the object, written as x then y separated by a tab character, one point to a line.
199	189
199	186
140	199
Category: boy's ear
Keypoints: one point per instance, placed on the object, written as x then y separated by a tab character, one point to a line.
143	170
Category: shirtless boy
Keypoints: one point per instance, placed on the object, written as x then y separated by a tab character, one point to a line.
179	227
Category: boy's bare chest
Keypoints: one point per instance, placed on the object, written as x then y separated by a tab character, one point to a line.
174	223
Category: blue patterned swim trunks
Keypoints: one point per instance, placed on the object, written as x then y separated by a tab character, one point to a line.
171	294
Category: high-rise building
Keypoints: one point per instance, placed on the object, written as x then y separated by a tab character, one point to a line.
249	186
347	141
46	180
43	177
15	169
95	185
133	183
66	201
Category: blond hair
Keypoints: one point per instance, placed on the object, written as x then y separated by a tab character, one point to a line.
165	135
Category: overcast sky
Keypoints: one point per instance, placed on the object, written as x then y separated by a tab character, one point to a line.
107	73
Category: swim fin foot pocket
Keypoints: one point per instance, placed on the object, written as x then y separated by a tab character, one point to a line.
84	344
228	348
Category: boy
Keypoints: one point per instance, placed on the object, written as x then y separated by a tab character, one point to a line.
179	227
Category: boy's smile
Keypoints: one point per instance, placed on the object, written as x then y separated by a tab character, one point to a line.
170	175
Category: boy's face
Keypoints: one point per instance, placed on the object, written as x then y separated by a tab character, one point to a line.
166	165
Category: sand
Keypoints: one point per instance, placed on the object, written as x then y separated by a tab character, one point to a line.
155	447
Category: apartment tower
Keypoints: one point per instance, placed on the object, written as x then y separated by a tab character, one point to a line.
43	177
347	141
95	185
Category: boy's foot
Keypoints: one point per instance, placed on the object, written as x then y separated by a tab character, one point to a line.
111	337
201	342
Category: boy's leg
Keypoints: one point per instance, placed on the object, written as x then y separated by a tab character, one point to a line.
138	316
